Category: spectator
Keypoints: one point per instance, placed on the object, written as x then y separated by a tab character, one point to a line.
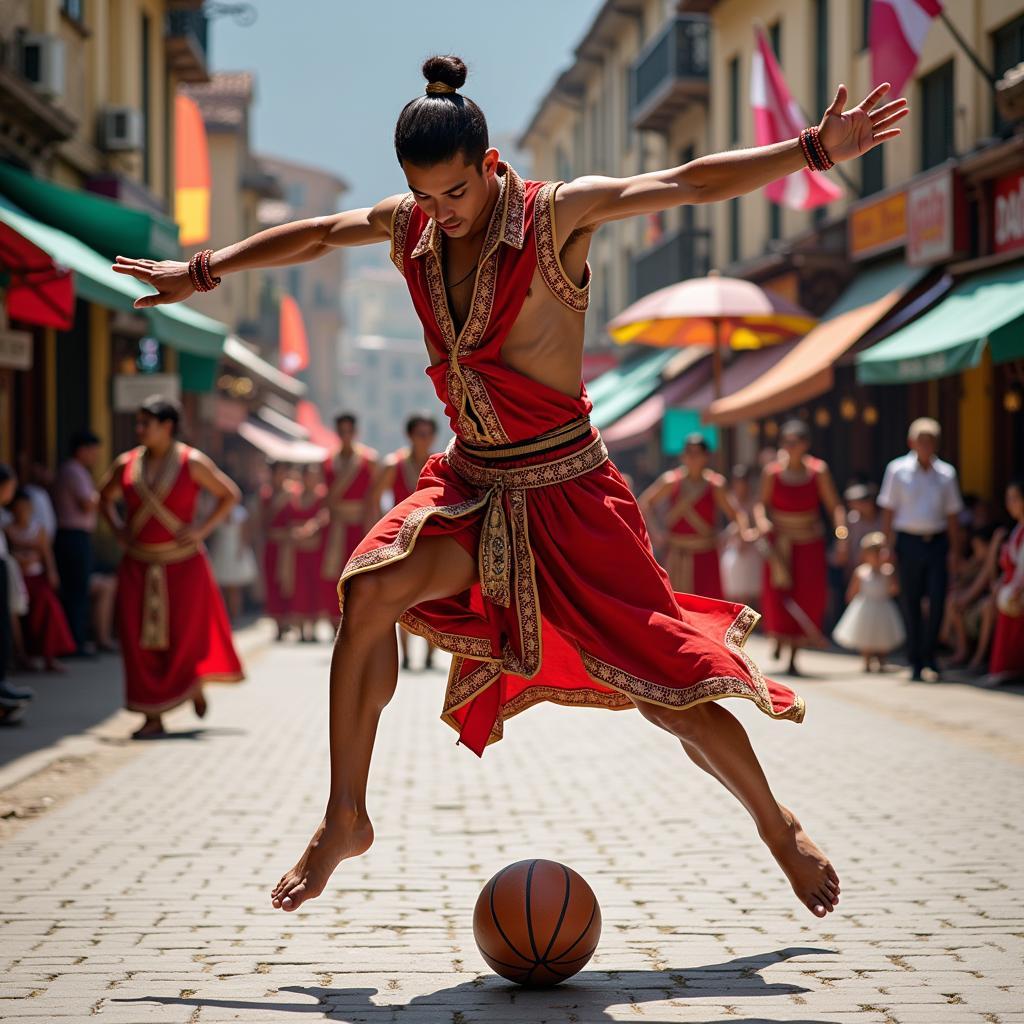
45	628
871	624
921	503
1007	661
12	698
37	483
742	563
76	501
970	590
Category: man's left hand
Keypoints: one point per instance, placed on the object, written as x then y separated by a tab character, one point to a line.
849	134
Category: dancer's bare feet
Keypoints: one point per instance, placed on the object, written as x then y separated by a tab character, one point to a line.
809	871
334	841
150	728
199	703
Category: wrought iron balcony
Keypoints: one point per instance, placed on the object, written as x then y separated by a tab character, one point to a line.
187	45
671	72
681	255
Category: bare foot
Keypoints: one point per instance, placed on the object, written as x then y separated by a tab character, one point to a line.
809	871
199	703
151	727
331	844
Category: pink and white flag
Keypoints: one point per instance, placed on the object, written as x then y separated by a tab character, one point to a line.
897	33
777	117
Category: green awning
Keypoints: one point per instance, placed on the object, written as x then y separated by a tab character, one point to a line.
986	309
104	225
617	391
174	324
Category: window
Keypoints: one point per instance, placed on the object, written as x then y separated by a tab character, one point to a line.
734	230
734	100
1007	52
147	170
822	85
937	111
865	24
774	209
73	9
872	171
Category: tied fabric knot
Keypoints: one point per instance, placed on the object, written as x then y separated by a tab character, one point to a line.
495	549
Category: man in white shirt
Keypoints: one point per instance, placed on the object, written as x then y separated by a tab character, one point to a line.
920	501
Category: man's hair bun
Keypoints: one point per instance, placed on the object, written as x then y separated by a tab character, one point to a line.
449	69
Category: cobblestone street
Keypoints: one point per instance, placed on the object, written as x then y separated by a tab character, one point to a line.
145	895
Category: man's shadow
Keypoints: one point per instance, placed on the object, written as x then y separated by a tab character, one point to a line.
587	996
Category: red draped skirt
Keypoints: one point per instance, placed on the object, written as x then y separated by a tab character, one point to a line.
199	647
593	620
809	592
1008	645
47	633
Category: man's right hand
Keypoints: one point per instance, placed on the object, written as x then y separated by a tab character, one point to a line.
169	278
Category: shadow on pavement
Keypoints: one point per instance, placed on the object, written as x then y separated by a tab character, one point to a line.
587	997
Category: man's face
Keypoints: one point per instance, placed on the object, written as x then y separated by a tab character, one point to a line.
346	431
454	193
422	436
88	454
795	445
695	458
150	431
926	445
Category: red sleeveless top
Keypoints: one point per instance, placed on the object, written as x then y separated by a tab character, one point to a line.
174	492
487	402
704	507
790	497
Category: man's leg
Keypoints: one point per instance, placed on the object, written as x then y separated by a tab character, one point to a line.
364	673
716	742
937	585
911	595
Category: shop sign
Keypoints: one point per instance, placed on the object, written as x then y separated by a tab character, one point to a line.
936	219
877	226
1008	213
15	349
132	389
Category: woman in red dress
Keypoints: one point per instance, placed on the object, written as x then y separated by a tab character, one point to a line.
173	626
694	495
400	474
1007	658
349	476
276	498
46	632
793	489
307	522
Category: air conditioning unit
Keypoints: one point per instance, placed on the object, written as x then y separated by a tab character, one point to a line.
42	62
121	128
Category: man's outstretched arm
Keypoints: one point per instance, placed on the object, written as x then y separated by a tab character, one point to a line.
591	201
280	246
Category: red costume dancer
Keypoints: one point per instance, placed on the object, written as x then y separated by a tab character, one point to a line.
406	477
793	490
307	548
1007	657
693	541
174	629
349	476
527	487
278	563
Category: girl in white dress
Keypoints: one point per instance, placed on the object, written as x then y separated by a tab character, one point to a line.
871	623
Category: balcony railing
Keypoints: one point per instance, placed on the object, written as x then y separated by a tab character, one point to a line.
682	255
187	45
671	72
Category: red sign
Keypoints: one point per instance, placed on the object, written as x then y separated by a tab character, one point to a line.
1008	213
936	218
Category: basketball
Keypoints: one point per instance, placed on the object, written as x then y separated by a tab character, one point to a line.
536	923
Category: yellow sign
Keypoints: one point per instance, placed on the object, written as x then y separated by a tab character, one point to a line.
877	226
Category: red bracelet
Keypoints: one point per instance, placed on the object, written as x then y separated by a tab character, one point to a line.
814	152
199	272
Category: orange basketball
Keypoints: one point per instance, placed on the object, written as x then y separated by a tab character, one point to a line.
536	922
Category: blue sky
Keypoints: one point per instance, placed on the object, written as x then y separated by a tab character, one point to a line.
332	75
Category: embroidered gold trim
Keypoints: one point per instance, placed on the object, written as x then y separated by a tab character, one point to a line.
155	630
544	474
189	694
400	230
712	688
152	498
549	260
574	431
475	647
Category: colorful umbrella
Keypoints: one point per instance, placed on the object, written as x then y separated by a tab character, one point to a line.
713	310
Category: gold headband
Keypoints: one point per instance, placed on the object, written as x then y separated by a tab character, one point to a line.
440	89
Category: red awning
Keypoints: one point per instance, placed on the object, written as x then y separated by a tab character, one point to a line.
39	292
